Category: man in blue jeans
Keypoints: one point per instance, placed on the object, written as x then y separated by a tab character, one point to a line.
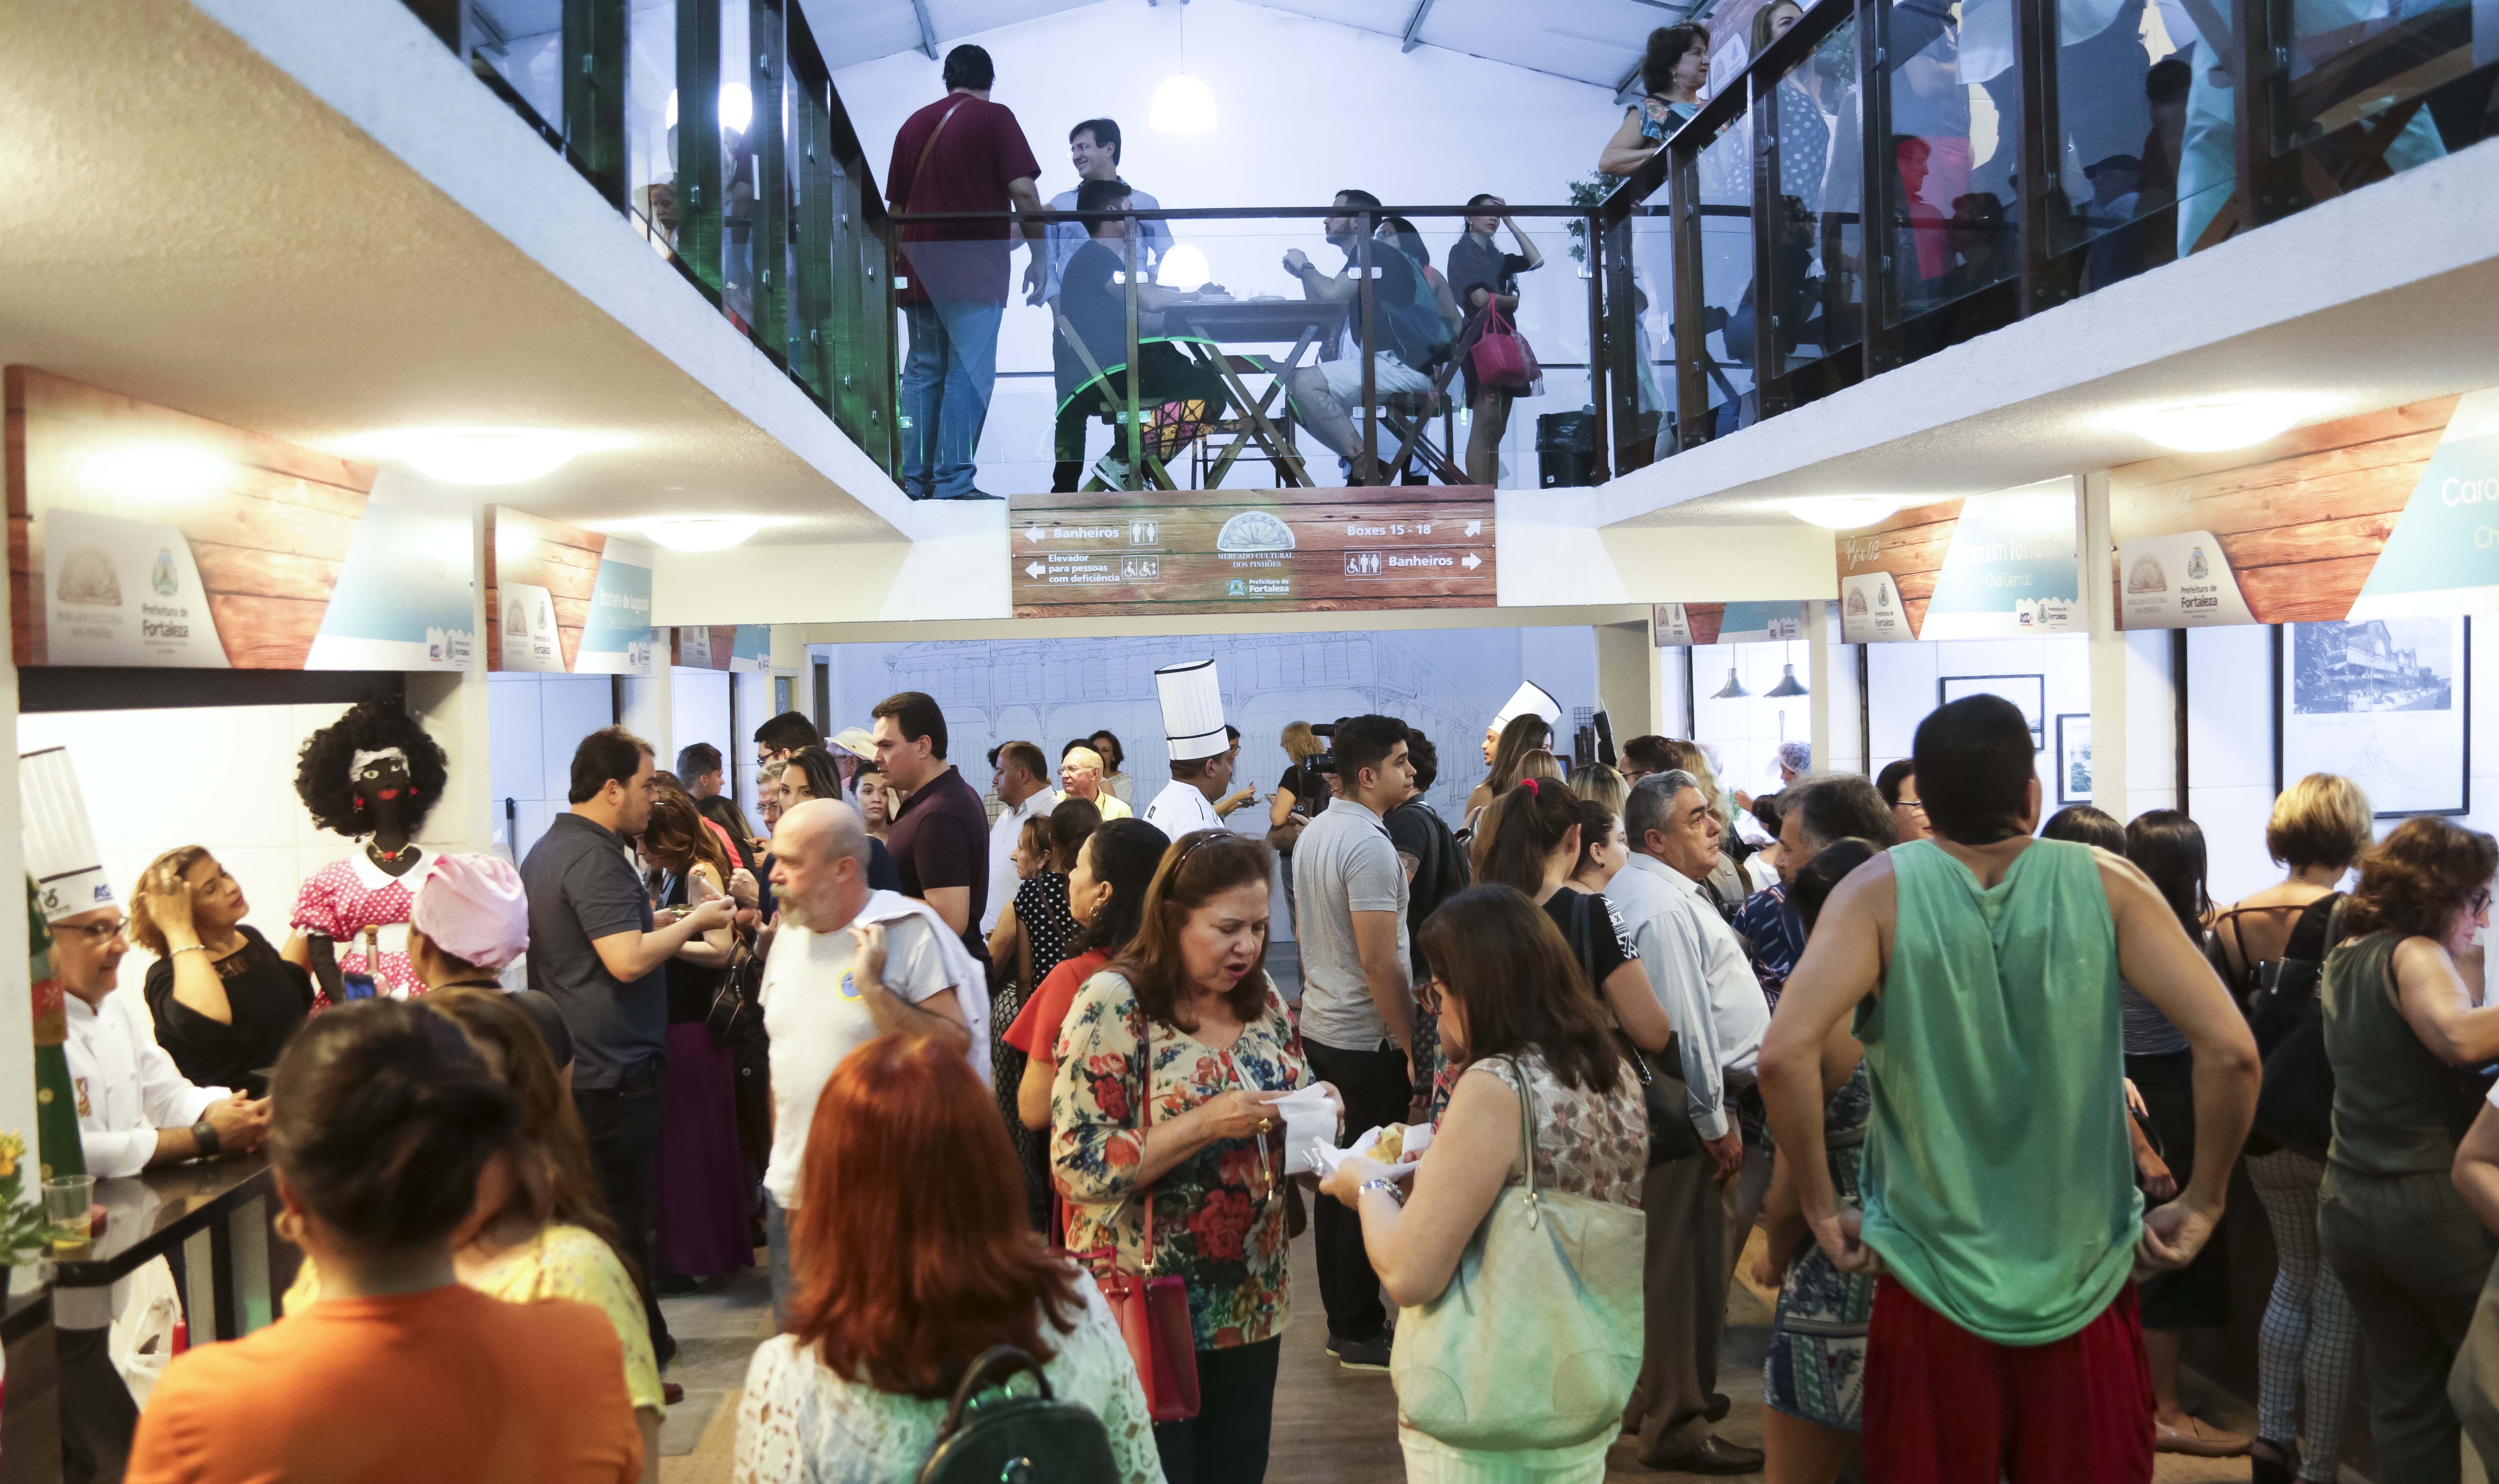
961	153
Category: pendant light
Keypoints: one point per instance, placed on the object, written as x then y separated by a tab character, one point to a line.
1734	689
1787	684
1182	104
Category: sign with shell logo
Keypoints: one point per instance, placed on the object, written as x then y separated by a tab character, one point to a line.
1248	550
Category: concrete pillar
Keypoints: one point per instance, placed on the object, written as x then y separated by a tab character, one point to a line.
1627	678
647	709
2098	551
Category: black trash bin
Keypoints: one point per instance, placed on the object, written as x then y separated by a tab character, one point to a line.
1566	449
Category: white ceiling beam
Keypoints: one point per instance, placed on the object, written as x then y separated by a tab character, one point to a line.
1414	27
928	30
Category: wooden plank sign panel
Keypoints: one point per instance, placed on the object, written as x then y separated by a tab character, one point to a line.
140	535
1226	551
2284	533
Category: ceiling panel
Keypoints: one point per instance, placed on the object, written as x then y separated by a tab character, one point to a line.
1588	40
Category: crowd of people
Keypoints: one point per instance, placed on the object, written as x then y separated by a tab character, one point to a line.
980	1067
965	153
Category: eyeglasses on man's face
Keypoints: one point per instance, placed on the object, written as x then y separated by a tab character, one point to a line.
96	934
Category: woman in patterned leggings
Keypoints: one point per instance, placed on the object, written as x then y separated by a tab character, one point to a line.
2308	1349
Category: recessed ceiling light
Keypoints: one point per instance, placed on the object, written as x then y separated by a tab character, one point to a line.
701	533
482	454
2216	423
1844	512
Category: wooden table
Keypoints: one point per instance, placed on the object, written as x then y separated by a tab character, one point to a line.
1299	322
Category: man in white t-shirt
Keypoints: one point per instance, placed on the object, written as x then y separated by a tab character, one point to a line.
832	985
1021	782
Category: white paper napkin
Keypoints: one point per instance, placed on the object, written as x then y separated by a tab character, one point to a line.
1324	1157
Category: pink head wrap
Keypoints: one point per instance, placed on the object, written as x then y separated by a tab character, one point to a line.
474	909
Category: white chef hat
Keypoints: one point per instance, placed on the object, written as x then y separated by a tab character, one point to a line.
1192	697
1529	697
60	844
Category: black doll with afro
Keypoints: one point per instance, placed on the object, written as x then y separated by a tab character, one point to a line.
330	795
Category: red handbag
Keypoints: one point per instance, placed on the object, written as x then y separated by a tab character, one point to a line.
1500	355
1153	1311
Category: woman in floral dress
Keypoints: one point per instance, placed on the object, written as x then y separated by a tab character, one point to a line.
1168	1063
1813	1380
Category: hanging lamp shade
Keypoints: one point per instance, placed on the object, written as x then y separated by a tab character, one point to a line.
1734	689
1787	684
1182	104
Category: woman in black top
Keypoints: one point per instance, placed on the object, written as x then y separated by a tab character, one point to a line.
1301	795
1532	834
702	1203
223	1000
1484	279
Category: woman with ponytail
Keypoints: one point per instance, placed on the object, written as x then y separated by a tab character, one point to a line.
385	1117
1533	844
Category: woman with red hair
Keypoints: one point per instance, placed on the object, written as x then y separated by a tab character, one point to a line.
912	1257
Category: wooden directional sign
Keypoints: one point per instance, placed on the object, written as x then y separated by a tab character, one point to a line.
1248	550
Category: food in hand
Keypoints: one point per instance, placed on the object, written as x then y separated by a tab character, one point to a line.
1391	1146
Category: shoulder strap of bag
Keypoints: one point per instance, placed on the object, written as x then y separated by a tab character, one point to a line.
929	149
1526	1128
1145	1113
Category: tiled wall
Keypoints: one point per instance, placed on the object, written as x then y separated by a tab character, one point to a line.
534	724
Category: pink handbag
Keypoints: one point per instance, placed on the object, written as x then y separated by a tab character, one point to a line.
1501	356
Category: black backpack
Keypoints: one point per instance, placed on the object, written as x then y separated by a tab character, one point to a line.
1017	1440
2295	1106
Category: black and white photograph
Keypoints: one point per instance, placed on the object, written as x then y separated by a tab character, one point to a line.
2028	691
2074	757
2380	701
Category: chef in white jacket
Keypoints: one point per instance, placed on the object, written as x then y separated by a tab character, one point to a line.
1201	752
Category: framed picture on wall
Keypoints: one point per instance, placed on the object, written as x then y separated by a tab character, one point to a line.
2385	703
2074	757
2028	691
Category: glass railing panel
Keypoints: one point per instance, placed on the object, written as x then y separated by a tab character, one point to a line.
651	121
522	41
1817	256
812	186
2123	74
742	123
1954	126
2372	87
1719	184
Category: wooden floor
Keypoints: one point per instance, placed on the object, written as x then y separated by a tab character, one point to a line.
1333	1426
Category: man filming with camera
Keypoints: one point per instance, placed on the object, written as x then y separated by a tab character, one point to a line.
1357	1003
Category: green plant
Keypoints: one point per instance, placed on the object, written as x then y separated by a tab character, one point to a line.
24	1234
1587	191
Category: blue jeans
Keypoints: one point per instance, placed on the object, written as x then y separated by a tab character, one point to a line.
946	383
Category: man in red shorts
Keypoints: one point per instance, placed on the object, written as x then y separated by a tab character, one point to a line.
1998	1193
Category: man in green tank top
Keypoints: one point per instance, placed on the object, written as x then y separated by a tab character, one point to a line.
1982	967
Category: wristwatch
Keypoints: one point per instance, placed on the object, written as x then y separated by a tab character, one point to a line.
1387	1186
205	1134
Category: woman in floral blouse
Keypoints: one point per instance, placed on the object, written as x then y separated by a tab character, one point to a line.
1204	1147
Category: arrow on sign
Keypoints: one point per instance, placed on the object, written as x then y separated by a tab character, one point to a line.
1472	563
1035	570
1475	528
1033	533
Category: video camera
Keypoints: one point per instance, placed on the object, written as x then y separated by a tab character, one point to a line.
1324	759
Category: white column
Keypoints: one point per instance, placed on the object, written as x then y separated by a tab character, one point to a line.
648	710
17	1019
2109	650
1817	654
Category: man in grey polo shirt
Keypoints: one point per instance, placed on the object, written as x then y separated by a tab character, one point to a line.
1358	999
596	950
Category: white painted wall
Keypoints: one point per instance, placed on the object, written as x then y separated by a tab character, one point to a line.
1903	681
1306	107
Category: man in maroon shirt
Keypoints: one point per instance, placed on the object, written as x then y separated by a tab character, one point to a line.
960	153
941	839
